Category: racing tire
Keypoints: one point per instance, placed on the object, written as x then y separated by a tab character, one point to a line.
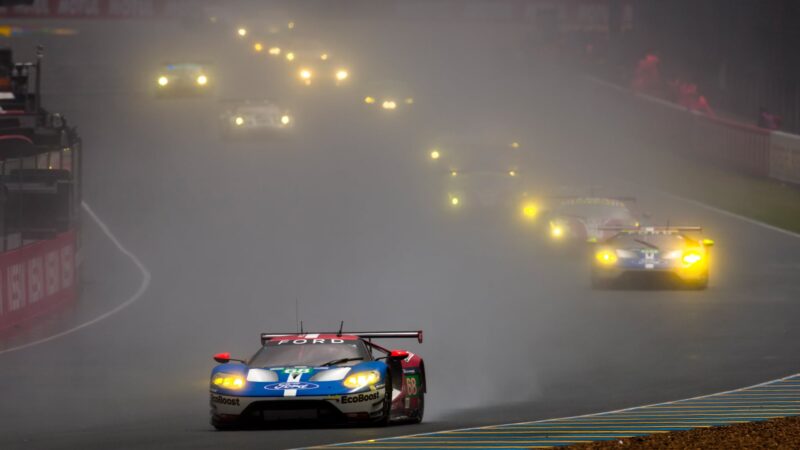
417	418
386	415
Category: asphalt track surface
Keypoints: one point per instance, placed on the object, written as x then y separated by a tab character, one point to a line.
346	220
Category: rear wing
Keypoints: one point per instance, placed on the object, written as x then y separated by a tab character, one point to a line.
650	229
362	334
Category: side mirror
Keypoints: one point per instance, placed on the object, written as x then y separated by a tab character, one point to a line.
708	242
222	358
397	355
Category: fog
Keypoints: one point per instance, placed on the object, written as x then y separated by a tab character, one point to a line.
346	219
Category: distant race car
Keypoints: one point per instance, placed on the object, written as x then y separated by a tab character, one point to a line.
183	79
669	254
250	118
337	377
481	172
585	219
312	63
388	95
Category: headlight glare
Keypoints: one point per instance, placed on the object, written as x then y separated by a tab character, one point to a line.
163	81
285	119
606	257
362	379
228	380
202	80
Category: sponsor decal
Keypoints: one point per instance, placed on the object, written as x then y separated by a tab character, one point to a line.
309	341
412	385
293	385
358	398
295	371
224	400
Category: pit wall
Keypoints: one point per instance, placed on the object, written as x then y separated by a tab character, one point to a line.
37	278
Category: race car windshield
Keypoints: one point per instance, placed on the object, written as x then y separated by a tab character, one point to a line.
274	354
661	241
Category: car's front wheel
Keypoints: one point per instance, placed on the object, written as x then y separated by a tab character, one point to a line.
386	409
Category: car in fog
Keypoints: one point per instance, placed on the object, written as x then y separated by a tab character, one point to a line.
670	255
249	118
312	64
183	79
587	218
490	189
334	377
388	95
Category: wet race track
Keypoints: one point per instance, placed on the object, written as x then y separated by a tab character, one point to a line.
346	220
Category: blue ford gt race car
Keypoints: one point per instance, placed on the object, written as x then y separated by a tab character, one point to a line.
337	377
675	255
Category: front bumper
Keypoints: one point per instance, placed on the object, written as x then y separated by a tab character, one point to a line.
363	406
682	275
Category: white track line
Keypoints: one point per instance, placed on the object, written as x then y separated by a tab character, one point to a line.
558	419
136	295
633	408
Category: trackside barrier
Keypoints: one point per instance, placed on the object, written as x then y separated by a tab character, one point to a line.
37	277
739	146
723	142
784	157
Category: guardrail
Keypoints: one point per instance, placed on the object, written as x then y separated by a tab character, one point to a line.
739	146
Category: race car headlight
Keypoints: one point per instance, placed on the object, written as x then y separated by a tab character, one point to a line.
163	81
258	46
290	56
515	144
341	75
530	210
369	100
239	120
228	380
323	56
285	119
454	201
556	230
389	104
409	101
512	173
435	154
305	74
202	80
242	31
691	258
606	257
362	379
274	51
331	374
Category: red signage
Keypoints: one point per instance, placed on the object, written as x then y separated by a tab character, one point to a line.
36	278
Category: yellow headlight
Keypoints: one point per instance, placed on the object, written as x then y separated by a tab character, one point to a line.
606	257
369	100
323	56
202	80
290	56
274	51
512	173
453	173
530	210
305	74
556	231
242	31
239	120
435	154
362	379
515	144
285	119
389	104
163	81
454	201
258	46
290	25
228	381
342	75
691	258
